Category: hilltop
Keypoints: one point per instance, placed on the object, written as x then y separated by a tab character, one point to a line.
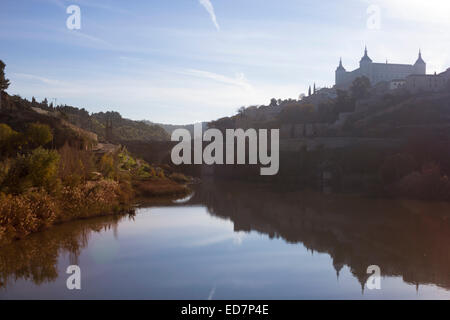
111	126
107	126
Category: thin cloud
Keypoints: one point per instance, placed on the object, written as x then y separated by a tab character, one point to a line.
239	80
90	38
209	7
33	77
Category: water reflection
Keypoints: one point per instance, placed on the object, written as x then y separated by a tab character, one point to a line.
177	252
36	257
405	238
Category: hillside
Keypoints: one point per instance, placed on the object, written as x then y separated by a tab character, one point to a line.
107	126
52	171
19	113
172	127
368	139
112	127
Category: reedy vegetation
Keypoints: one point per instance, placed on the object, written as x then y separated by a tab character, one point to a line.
40	186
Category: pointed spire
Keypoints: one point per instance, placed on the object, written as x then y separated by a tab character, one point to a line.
340	67
365	58
309	91
419	59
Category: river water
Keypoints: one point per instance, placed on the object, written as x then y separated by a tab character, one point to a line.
241	241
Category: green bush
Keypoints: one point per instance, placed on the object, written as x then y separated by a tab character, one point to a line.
38	134
9	141
38	169
107	167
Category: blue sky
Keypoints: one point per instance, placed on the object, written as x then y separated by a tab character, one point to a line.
171	62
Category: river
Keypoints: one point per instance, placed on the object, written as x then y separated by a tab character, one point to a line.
233	240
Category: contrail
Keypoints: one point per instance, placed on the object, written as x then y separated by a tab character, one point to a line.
209	7
211	293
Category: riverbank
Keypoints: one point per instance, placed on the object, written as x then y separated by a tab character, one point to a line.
37	209
42	184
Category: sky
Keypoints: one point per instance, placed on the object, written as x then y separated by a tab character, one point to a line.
184	61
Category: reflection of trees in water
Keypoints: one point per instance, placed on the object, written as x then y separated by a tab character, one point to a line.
36	257
405	238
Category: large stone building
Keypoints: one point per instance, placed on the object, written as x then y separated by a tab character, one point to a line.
378	72
428	82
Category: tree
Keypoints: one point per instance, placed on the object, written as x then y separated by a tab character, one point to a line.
38	169
107	167
343	102
5	132
4	83
43	167
360	88
297	113
38	134
241	111
273	102
8	140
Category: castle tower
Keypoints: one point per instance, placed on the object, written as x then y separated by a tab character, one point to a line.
340	73
420	67
365	65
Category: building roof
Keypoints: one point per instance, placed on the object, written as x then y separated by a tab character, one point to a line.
392	64
340	67
365	58
419	59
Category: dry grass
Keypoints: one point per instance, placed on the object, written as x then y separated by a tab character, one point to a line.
35	210
159	187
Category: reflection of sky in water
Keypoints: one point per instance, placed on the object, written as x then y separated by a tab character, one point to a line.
185	199
184	253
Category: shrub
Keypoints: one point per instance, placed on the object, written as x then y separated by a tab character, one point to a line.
9	140
43	167
76	165
38	134
179	177
6	132
4	169
107	166
160	187
38	169
26	213
89	199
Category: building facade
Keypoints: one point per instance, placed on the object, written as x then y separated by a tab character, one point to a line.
378	72
428	82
